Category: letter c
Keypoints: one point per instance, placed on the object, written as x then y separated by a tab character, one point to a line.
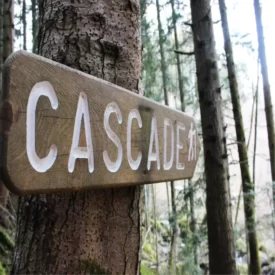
43	88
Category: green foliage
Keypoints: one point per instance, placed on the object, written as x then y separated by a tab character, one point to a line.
144	271
2	270
149	252
6	248
5	240
242	269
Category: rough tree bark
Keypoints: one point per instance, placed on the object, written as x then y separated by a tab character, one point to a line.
1	52
267	95
98	231
218	204
8	29
7	40
247	184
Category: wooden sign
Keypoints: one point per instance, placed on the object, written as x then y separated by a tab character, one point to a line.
63	130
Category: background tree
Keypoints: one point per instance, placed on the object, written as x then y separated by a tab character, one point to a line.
219	220
96	231
7	30
247	184
267	95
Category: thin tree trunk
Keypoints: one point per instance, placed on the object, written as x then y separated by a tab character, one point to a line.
156	227
251	121
34	26
24	21
1	39
3	190
146	206
247	145
174	20
168	198
219	219
173	250
162	56
173	254
267	96
247	184
193	222
7	29
95	231
163	73
255	130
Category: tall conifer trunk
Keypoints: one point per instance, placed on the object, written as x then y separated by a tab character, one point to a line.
34	25
7	42
267	96
247	184
24	21
162	56
175	30
218	204
97	231
172	254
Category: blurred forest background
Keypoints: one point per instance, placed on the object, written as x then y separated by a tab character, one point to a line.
174	220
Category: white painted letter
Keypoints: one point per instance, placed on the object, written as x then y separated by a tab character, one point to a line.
134	164
76	151
192	143
167	165
43	88
180	126
153	138
112	166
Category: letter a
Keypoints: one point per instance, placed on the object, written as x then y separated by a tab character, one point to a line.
82	152
167	165
153	138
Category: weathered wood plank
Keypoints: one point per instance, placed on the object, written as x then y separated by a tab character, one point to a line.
107	111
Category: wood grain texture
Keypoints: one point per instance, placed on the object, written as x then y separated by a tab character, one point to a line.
21	72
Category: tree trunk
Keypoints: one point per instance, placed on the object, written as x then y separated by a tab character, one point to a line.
34	26
193	226
7	42
218	203
267	95
156	226
173	249
255	129
173	254
174	20
8	29
163	74
96	231
24	21
247	184
162	56
3	190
